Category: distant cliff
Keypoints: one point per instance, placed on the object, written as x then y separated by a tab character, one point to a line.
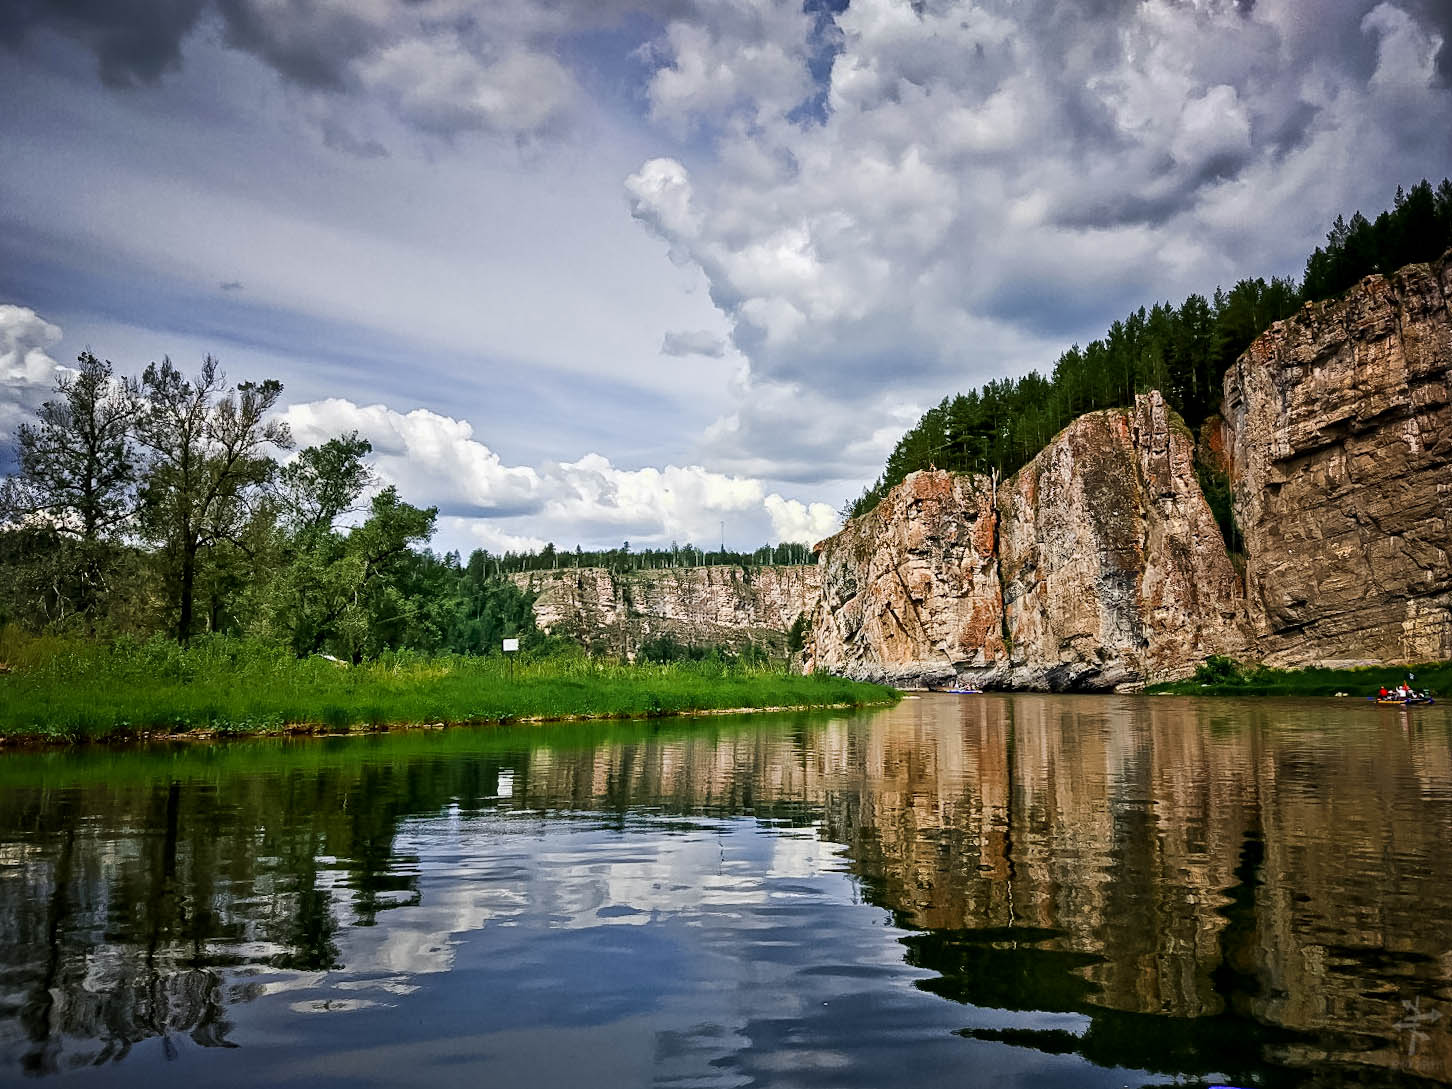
727	605
1100	563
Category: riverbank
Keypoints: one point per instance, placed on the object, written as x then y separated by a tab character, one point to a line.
70	692
1225	677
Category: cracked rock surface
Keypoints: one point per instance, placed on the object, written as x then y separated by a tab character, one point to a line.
1098	565
1340	434
910	591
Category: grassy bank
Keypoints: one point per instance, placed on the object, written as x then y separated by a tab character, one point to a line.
75	691
1224	677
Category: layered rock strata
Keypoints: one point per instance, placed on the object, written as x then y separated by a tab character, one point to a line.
1097	565
730	606
1104	562
1340	432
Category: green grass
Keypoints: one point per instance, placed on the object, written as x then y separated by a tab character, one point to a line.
1220	676
73	691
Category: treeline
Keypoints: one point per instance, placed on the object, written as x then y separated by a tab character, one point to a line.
159	504
164	504
624	559
1182	351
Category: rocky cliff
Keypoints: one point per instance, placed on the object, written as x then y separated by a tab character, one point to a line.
910	591
1339	428
616	612
1113	569
1099	564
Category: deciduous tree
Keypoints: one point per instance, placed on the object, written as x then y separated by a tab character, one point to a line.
207	446
76	483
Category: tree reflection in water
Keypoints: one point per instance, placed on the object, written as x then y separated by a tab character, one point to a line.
1190	888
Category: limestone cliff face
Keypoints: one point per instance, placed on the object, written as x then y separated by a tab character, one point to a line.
1114	571
1097	565
697	605
910	591
1340	428
1100	565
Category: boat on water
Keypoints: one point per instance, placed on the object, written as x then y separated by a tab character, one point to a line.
1415	701
960	691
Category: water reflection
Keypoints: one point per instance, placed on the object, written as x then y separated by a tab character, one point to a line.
1064	890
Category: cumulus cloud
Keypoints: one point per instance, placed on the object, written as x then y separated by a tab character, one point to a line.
429	456
135	41
748	54
887	200
27	371
437	460
990	180
793	520
440	85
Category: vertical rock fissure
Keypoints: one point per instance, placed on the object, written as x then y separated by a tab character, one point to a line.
1003	625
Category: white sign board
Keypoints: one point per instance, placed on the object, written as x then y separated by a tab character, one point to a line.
511	644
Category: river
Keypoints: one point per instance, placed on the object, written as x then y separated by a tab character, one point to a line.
968	891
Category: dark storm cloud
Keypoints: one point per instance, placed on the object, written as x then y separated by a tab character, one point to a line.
441	66
1438	15
135	41
138	41
312	44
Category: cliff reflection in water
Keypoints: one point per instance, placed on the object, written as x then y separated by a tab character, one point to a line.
1242	888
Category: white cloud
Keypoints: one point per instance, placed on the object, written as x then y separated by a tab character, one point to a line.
793	520
433	459
993	180
1406	55
439	85
467	534
27	372
748	53
436	460
879	204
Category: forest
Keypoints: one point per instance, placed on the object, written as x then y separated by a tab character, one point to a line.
169	504
1182	351
623	559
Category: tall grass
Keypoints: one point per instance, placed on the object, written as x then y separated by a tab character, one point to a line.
74	690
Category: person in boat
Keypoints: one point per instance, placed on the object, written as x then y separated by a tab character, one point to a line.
1383	694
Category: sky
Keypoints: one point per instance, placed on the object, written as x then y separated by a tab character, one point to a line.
590	271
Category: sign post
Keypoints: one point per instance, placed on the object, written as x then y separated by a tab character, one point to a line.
511	647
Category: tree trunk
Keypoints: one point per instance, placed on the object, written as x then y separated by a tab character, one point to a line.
188	587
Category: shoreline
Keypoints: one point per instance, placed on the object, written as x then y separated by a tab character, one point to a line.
32	742
1224	676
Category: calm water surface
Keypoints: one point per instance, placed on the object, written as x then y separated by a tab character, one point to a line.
958	891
